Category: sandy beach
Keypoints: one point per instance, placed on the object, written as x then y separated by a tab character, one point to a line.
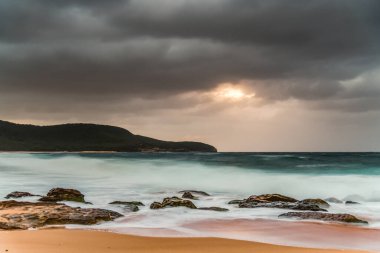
81	241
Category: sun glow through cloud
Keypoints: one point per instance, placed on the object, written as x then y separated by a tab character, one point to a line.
232	92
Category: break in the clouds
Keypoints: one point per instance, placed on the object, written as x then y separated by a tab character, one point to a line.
67	59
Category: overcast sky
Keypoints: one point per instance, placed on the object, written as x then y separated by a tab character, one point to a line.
243	75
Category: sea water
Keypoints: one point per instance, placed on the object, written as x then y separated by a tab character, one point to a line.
148	177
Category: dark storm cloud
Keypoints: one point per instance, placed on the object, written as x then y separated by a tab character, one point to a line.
289	48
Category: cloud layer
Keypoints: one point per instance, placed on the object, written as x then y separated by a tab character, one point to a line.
138	56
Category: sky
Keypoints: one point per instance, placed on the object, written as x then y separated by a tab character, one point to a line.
242	75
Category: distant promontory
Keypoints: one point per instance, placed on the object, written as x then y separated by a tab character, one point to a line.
86	137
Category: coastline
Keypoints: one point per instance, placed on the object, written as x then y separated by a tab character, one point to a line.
79	241
149	179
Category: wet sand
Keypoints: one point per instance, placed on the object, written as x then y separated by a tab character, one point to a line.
304	234
82	241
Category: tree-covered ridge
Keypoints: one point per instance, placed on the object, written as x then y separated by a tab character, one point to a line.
85	137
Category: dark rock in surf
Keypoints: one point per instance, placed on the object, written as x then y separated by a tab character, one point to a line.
156	205
61	194
334	200
349	202
202	193
173	202
136	203
25	215
267	198
214	208
346	218
354	197
280	201
236	201
282	205
319	202
132	206
188	195
16	195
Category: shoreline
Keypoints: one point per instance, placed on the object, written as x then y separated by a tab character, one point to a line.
79	241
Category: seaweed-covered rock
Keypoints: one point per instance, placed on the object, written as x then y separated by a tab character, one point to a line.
282	205
132	206
346	218
334	200
202	193
25	215
214	208
188	195
61	194
265	198
173	202
319	202
17	194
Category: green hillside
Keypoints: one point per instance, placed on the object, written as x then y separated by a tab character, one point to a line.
86	137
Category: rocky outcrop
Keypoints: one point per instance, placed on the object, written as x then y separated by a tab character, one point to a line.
61	194
282	205
132	206
173	202
346	218
279	201
202	193
25	215
319	202
214	208
16	195
188	195
156	205
267	198
264	198
334	200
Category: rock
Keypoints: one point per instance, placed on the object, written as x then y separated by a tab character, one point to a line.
61	194
346	218
282	205
281	201
319	202
173	202
132	206
25	215
16	194
354	197
188	195
265	198
349	202
136	203
236	201
214	208
195	192
156	205
334	200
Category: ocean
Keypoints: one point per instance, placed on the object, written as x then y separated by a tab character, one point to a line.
148	177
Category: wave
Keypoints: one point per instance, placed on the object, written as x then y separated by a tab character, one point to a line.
166	174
